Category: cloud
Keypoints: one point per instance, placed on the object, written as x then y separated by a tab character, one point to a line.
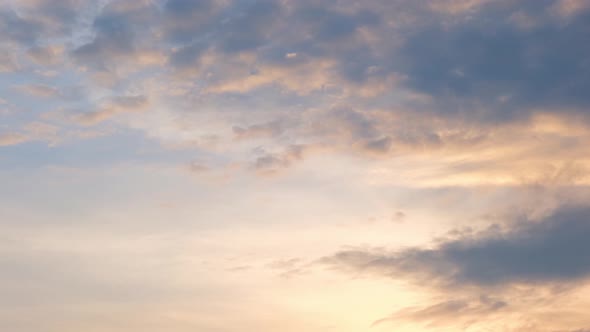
33	131
185	20
112	107
269	129
272	163
456	6
553	249
249	28
187	9
8	139
8	63
56	18
389	96
330	25
571	7
40	90
300	46
13	27
289	268
121	41
197	167
114	38
457	312
45	56
188	56
376	79
379	146
488	67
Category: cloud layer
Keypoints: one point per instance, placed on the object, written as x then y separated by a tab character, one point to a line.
232	134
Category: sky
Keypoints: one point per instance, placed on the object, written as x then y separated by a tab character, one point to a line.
294	165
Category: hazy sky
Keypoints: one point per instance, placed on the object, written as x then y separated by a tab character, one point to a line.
294	165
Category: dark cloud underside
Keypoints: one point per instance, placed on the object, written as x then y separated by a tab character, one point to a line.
554	249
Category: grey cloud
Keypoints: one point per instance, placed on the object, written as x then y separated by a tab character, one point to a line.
187	24
43	55
328	32
114	37
68	93
250	28
329	25
353	122
186	21
31	23
123	30
486	61
269	129
483	64
112	107
183	30
181	9
131	102
478	66
358	130
272	30
58	16
474	64
554	249
187	56
186	30
381	145
62	11
236	27
8	62
18	29
271	163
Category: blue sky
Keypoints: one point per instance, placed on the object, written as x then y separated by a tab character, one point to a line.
264	165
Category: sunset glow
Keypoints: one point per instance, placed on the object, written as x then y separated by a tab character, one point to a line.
294	165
